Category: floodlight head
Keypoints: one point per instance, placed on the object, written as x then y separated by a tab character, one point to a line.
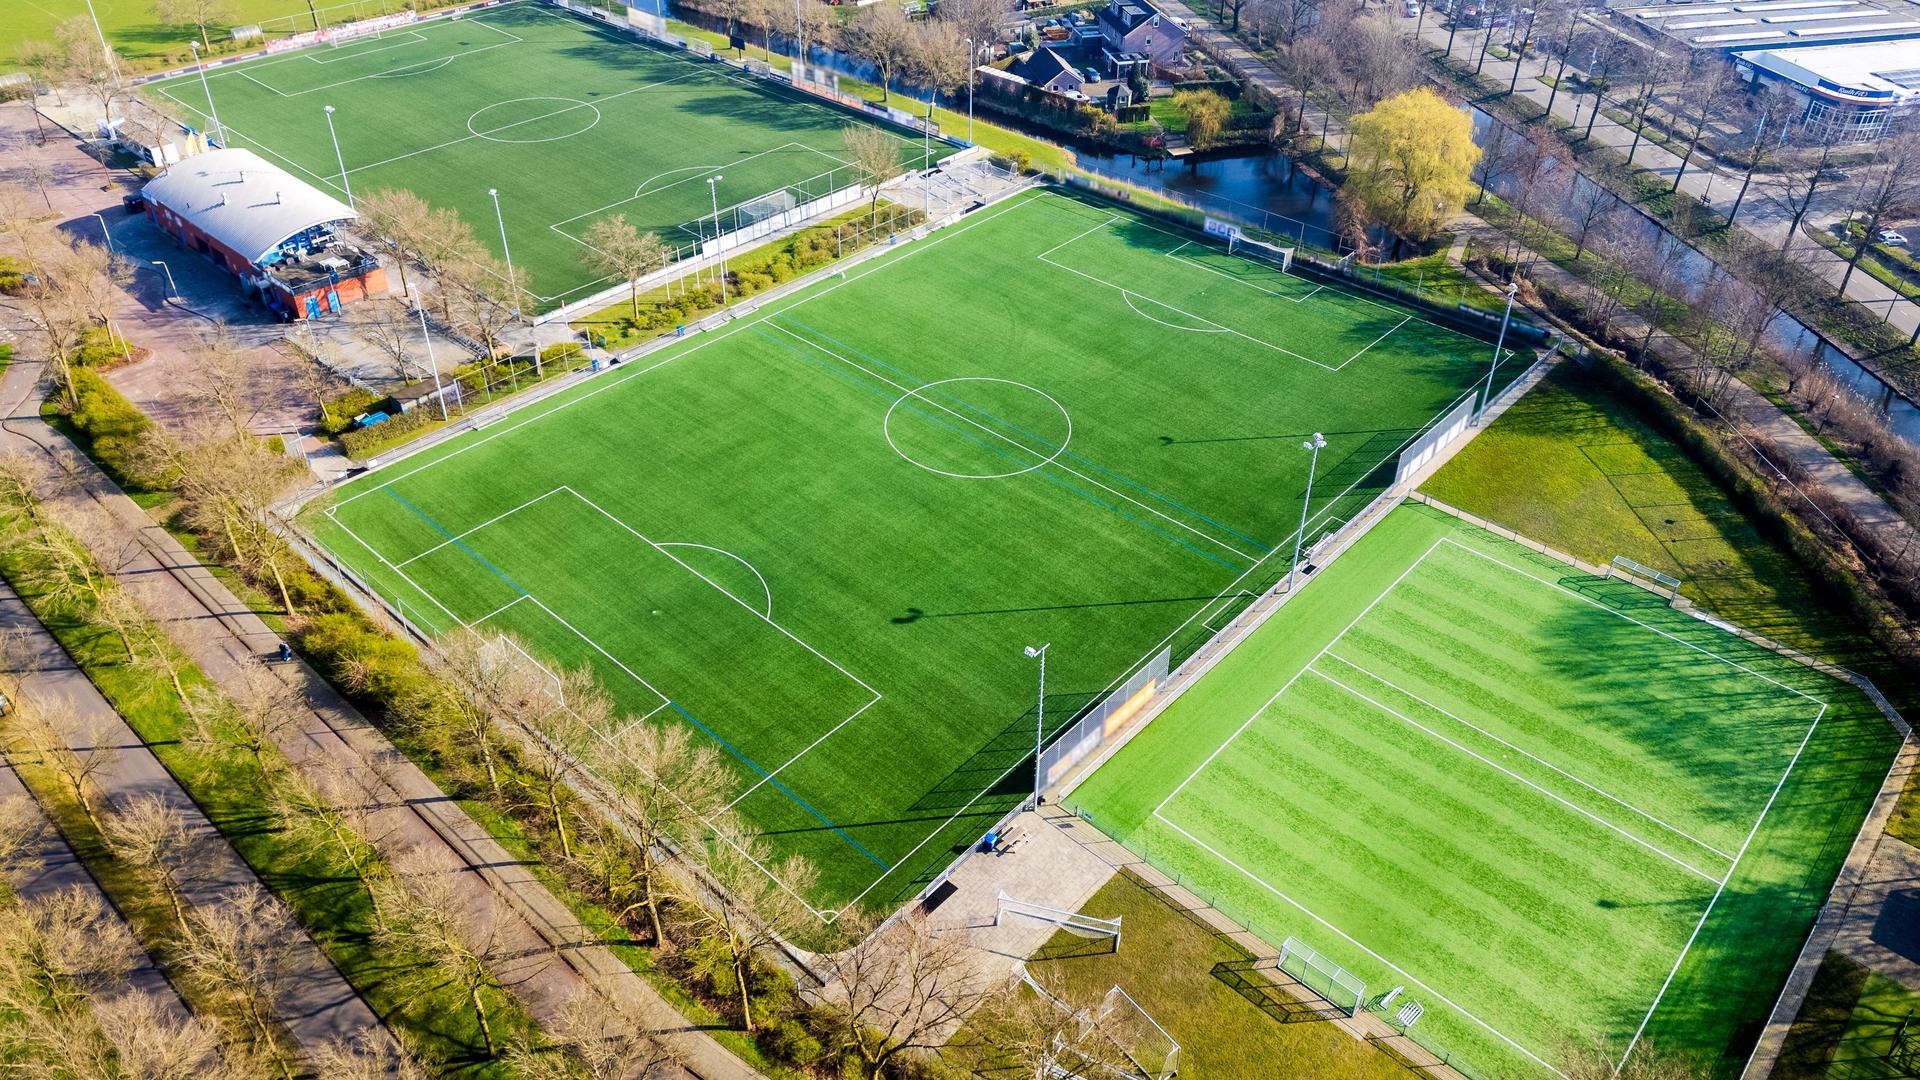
1513	287
494	191
1318	442
194	44
329	109
1033	653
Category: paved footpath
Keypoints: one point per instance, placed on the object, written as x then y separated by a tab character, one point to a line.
319	1006
552	958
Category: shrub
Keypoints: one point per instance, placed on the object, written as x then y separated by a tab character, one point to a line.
791	1042
109	421
277	444
362	658
99	347
562	353
362	442
337	414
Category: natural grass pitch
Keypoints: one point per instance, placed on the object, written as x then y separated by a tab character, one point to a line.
823	534
571	121
1559	813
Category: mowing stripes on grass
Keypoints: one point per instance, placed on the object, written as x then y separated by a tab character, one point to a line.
1527	794
820	533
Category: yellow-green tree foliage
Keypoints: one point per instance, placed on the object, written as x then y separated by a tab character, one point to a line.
1206	114
1410	163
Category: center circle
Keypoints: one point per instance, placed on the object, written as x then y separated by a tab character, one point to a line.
997	418
525	116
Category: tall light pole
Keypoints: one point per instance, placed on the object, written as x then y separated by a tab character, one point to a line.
1039	715
106	51
973	61
212	110
438	391
105	233
713	189
1315	444
1486	394
172	290
345	184
512	281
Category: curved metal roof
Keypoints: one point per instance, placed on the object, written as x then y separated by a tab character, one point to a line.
240	199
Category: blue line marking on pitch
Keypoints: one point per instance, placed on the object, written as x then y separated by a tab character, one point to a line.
784	790
454	539
889	393
1095	466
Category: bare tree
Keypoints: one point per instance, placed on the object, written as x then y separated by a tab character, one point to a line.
1707	94
331	808
244	949
1802	171
1889	190
1644	1061
427	917
873	154
760	902
903	991
882	34
22	827
624	252
389	330
938	59
397	221
151	1043
369	1059
91	62
257	712
40	732
154	838
668	787
598	1038
201	15
1589	206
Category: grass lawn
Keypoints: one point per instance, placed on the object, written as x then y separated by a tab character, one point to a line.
820	534
1554	809
1576	469
1190	979
570	121
148	44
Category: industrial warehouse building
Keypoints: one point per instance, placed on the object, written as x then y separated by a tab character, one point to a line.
278	234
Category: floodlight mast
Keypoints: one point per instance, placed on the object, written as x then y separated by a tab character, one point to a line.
1314	445
713	188
1039	716
513	282
1486	396
213	111
346	185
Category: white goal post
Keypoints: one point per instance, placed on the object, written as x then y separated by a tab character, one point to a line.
1239	243
1072	921
1637	573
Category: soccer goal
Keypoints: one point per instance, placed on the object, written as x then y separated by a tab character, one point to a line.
505	658
1645	576
1154	1054
1323	976
1260	251
1071	921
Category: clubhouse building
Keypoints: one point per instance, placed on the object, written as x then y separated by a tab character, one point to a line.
275	232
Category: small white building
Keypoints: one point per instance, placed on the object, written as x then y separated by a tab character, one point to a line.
1853	91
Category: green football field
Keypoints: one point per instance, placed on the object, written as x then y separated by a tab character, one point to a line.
1556	812
569	120
824	533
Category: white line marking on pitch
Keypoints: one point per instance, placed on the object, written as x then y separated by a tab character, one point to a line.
1602	792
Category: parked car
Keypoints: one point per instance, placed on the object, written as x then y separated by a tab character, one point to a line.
1410	8
1891	238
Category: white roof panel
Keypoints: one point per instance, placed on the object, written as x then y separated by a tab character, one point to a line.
240	199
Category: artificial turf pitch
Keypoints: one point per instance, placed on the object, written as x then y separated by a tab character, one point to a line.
1558	812
823	533
569	120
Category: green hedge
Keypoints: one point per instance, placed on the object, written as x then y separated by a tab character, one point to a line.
361	442
336	414
111	424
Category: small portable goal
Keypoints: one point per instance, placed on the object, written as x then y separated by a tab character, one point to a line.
1645	576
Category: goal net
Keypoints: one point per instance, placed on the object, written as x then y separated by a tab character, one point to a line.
1154	1054
1323	976
1261	251
1645	576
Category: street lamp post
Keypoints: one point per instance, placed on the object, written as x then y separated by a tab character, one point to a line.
213	111
713	189
513	282
973	62
105	233
345	184
172	289
1486	395
1039	715
434	365
1315	445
